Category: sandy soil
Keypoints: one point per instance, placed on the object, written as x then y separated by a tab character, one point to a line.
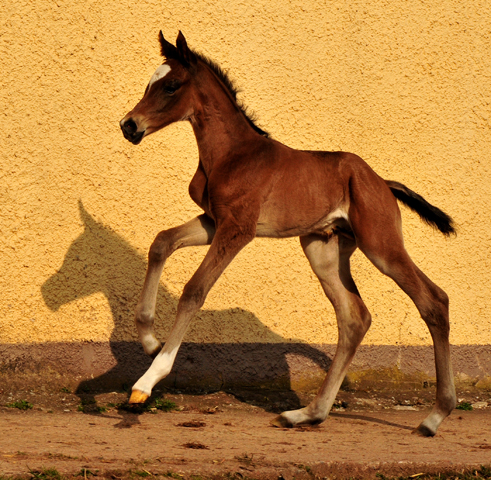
218	434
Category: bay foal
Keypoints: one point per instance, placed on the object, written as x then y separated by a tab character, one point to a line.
250	185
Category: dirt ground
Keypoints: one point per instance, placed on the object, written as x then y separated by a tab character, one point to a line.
220	434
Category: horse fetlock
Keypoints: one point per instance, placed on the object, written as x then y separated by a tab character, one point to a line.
160	368
430	424
141	390
144	325
302	416
151	345
449	401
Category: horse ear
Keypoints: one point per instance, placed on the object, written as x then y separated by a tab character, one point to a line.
167	49
184	51
85	216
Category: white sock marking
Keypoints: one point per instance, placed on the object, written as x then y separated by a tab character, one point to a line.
160	368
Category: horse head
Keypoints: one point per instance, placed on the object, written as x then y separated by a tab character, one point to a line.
169	96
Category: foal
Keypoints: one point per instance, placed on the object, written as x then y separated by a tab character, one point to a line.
249	185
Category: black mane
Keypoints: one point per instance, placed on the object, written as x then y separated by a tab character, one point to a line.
232	88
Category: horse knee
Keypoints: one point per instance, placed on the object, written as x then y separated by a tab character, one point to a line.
144	317
161	247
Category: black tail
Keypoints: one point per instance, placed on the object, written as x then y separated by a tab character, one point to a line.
433	216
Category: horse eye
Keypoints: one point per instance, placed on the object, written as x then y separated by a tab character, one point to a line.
171	89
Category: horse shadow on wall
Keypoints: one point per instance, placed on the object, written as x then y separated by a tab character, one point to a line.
101	261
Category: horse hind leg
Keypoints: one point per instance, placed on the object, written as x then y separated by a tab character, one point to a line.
432	304
435	315
198	231
329	260
391	258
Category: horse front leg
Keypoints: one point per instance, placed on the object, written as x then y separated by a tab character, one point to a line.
198	231
227	242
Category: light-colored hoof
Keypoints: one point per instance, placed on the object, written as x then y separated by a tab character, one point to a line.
281	422
138	397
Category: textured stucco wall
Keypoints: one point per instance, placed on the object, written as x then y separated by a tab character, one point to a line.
406	85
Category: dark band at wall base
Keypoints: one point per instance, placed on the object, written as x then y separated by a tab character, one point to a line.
105	366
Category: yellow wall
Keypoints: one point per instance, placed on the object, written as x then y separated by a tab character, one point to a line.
406	85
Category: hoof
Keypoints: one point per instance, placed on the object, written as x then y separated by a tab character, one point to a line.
423	431
281	422
155	352
138	397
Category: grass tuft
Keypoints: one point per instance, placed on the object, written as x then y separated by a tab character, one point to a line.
464	406
46	474
20	404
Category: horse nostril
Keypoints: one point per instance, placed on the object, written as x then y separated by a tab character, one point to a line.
130	126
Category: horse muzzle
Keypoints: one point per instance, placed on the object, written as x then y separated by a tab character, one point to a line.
130	131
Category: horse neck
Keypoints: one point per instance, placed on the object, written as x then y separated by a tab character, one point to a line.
219	125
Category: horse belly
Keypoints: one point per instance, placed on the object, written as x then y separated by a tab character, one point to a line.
281	222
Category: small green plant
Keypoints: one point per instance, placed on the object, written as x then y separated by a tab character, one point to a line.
46	474
464	406
164	405
20	404
65	390
141	473
484	472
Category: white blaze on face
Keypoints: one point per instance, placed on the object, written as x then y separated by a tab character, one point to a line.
161	72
